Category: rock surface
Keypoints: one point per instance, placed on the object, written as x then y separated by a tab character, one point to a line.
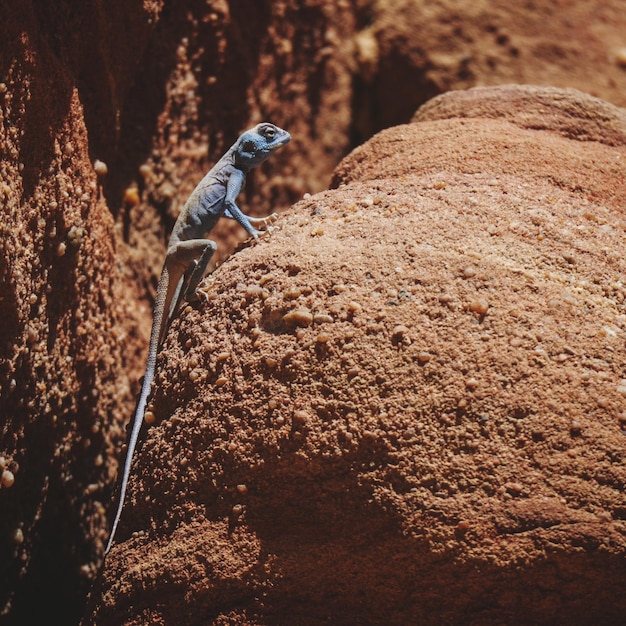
411	51
111	112
68	342
408	405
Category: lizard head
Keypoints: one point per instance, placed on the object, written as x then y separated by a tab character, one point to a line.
256	144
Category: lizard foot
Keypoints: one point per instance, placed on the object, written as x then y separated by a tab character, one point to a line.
264	222
205	287
271	219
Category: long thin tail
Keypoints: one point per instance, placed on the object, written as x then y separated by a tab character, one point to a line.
168	285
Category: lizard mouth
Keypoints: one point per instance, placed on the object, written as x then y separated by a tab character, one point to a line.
281	143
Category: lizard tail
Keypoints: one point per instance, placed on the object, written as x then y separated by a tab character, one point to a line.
165	293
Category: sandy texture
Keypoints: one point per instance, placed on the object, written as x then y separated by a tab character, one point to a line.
67	341
408	404
110	113
411	51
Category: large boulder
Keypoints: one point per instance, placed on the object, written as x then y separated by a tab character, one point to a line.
408	404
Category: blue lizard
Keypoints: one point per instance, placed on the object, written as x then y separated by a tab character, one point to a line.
189	253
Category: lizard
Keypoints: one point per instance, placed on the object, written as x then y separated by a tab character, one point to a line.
189	252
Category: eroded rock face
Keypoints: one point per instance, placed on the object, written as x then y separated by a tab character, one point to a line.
63	315
114	111
411	51
157	92
408	404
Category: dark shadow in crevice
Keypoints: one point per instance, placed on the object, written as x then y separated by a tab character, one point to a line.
221	76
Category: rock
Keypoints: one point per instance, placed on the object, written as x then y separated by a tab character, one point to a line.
425	49
483	484
157	93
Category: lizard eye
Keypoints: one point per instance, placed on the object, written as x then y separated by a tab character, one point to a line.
269	132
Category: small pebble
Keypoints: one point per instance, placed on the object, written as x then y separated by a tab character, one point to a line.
569	258
8	478
399	329
100	168
131	196
145	170
479	305
322	318
423	356
298	317
514	488
292	293
300	417
253	291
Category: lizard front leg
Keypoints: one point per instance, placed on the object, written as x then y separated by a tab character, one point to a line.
233	187
263	221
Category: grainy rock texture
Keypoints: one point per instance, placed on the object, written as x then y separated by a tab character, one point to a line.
410	51
110	113
408	405
66	337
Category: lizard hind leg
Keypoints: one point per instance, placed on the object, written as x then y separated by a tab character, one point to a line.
181	265
199	269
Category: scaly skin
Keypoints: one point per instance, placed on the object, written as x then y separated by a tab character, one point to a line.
189	253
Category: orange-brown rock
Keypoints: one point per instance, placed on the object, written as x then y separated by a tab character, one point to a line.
410	51
110	114
443	440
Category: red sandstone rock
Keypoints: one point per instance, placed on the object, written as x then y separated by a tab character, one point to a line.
445	444
157	92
